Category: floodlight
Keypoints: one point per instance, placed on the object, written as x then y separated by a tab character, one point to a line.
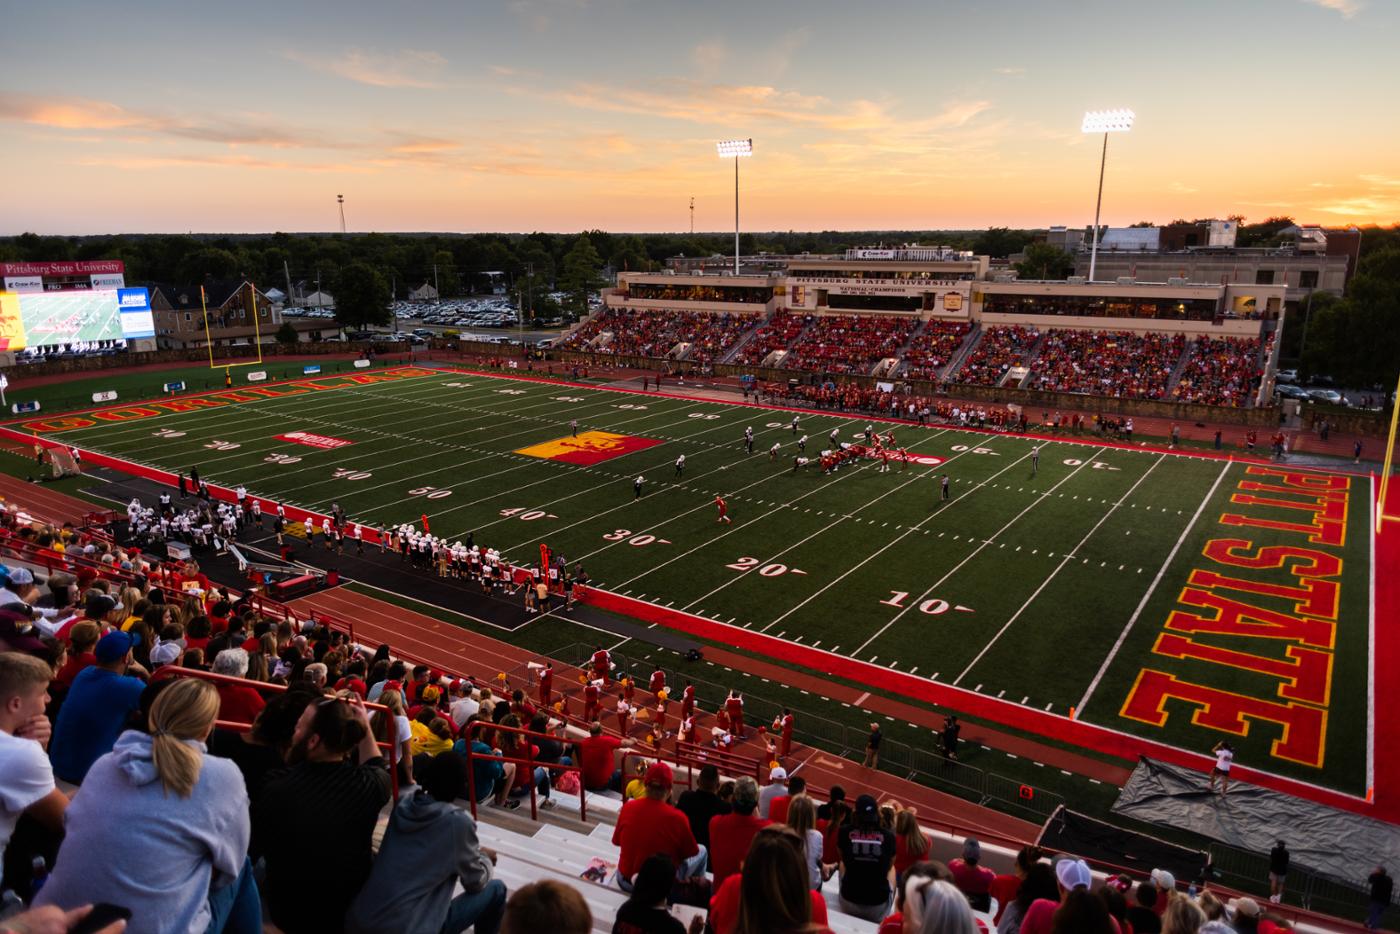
1108	121
734	148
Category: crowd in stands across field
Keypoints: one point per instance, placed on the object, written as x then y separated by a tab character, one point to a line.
779	331
998	350
872	401
1117	364
849	343
1221	371
931	350
649	333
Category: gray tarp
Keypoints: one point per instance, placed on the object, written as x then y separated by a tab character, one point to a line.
1331	842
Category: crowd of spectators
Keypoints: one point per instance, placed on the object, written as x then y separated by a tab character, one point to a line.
775	334
1221	371
998	350
845	344
1116	364
651	333
932	348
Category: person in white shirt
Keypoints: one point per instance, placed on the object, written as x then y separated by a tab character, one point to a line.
1224	757
24	733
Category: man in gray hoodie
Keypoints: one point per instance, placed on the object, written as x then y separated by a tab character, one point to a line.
430	844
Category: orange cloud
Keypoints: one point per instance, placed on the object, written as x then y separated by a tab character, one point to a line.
406	68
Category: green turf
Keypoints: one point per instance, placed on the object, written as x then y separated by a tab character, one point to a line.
1018	588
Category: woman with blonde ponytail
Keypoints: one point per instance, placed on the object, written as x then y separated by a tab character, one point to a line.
161	828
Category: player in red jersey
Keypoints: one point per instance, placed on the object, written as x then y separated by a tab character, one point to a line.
723	510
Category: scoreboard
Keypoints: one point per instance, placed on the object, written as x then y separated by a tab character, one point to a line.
64	276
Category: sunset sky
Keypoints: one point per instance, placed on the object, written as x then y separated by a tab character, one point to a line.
561	115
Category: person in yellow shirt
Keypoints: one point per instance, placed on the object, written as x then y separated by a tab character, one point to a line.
637	787
432	737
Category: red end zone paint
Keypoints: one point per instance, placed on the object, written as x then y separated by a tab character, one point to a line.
1088	735
312	440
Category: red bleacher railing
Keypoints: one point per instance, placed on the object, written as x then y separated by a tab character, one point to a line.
528	761
173	671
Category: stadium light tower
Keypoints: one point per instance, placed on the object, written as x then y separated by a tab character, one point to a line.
737	148
1105	122
340	200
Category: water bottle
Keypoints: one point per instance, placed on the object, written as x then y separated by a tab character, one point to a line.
38	875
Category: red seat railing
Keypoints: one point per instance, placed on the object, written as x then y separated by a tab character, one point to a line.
528	761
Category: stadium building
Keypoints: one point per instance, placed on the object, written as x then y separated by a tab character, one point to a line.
239	314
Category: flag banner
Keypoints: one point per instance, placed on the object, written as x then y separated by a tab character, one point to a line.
174	387
107	396
257	377
310	370
312	440
361	364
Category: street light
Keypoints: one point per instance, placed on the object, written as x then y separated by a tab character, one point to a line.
735	148
1105	122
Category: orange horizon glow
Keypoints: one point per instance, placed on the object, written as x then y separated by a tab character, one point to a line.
574	114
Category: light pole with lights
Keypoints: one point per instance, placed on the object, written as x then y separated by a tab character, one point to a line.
737	148
1105	122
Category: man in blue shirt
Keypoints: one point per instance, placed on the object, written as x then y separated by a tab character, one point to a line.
97	709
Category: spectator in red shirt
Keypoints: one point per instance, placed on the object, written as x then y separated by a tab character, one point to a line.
650	825
1005	887
778	807
238	703
83	639
973	880
731	834
1077	910
597	761
772	894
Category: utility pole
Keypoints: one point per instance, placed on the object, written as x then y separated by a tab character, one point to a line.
692	215
340	200
288	273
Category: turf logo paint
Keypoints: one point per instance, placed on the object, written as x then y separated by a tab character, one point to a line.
1266	612
590	447
313	440
216	400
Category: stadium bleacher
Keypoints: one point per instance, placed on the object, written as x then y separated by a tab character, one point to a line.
849	344
998	350
931	349
650	333
301	658
1221	371
1117	364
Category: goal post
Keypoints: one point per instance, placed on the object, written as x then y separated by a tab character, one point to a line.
1387	465
257	331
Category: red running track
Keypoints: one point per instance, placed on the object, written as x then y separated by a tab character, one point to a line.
462	652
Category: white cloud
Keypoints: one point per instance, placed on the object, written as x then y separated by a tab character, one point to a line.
1348	8
406	68
1011	70
709	56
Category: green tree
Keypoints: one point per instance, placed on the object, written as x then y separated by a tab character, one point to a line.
1000	242
207	263
445	266
361	296
286	334
1043	261
580	275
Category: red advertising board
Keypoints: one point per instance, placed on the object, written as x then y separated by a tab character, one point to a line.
84	267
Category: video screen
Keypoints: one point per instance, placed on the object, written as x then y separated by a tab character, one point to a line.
51	319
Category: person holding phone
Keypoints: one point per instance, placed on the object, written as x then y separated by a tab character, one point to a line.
177	817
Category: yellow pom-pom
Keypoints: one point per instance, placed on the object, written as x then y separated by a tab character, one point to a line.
663	694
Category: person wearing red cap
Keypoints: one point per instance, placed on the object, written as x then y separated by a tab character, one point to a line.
650	825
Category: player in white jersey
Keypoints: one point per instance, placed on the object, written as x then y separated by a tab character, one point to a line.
680	467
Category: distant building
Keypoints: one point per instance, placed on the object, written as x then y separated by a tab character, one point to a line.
424	293
238	314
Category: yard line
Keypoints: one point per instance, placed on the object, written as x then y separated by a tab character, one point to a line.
1152	588
900	538
654	526
1058	568
976	551
1371	654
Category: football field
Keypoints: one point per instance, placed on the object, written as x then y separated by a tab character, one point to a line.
1180	598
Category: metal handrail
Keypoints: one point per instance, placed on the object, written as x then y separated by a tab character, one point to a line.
528	760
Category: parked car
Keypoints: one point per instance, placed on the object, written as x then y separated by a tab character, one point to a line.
1288	391
1328	396
1287	376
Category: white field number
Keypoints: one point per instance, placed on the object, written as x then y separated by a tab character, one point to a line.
631	406
567	398
223	445
625	535
346	473
962	448
457	385
511	392
528	515
431	492
282	459
899	599
764	570
168	433
1096	465
707	416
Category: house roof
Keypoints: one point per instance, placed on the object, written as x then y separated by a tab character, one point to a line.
217	292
